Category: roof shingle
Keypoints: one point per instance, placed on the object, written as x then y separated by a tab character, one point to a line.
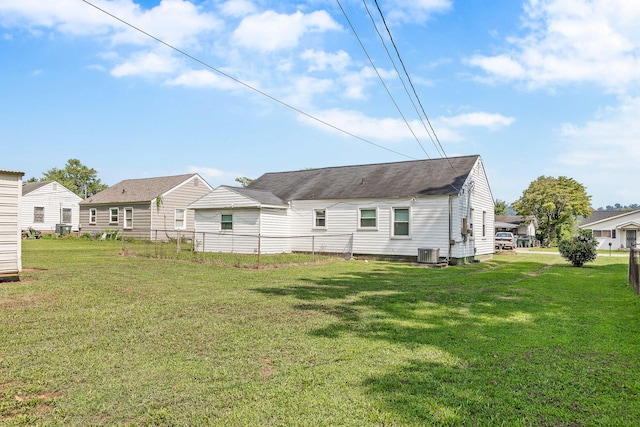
137	190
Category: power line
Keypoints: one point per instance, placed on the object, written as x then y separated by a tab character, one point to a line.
380	77
384	21
248	86
415	107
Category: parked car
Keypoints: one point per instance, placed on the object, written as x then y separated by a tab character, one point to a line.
505	240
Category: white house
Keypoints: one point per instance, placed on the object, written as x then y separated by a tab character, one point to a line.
46	204
524	228
10	238
388	209
620	229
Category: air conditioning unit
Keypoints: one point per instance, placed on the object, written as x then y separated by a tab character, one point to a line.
428	255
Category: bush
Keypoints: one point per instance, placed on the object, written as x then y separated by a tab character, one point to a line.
579	249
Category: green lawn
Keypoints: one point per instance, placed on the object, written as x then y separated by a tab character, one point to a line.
89	337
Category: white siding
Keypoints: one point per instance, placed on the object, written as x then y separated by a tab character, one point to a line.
10	240
618	225
268	228
53	197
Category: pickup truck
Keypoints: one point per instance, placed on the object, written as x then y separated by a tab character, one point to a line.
504	240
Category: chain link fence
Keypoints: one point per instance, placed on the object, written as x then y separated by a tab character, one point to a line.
240	250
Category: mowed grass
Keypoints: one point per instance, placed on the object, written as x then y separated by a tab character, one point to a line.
90	337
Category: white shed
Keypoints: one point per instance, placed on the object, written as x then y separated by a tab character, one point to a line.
48	203
10	239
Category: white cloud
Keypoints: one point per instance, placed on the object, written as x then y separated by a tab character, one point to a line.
594	41
178	22
271	31
305	88
238	8
603	152
146	64
203	78
490	121
396	130
321	61
414	10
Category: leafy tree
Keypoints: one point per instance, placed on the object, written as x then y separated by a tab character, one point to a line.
500	207
555	203
244	181
579	249
77	177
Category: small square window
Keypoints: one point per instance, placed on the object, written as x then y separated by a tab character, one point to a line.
368	218
226	222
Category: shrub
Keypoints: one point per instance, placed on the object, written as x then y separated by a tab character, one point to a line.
579	249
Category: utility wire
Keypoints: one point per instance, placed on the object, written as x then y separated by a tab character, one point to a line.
248	86
415	107
380	77
410	82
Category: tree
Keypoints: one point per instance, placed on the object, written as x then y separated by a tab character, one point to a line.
579	249
500	207
77	177
244	181
555	203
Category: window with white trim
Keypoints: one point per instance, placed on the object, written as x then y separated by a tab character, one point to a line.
603	233
226	222
114	215
180	222
320	218
93	213
368	218
401	222
38	214
128	218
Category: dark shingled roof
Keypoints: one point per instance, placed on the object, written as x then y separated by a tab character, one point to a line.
262	196
137	190
28	187
602	215
382	180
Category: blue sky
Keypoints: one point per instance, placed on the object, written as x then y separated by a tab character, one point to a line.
536	87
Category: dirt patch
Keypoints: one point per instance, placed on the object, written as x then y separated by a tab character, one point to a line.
267	369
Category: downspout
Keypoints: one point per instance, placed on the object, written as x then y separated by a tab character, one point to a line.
450	229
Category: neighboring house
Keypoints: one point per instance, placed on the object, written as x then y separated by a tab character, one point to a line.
46	204
384	209
522	227
146	208
10	236
620	229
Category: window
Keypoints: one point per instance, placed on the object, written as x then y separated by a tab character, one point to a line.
484	223
114	214
471	215
226	222
604	233
320	218
128	217
38	214
401	222
93	212
66	215
368	218
181	220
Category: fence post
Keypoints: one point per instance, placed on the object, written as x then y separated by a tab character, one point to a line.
259	249
313	248
155	243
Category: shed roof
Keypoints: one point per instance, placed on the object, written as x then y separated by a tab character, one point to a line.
382	180
137	190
